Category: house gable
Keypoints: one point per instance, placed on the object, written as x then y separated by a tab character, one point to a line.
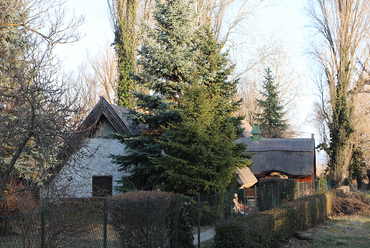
105	113
75	178
103	128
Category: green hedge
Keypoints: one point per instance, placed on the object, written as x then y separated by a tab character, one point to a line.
266	228
251	231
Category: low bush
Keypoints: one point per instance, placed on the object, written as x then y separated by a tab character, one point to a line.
248	231
18	201
267	228
131	214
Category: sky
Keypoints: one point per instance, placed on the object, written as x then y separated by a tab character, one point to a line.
287	20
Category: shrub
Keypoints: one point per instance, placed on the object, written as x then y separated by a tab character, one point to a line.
267	228
131	213
321	183
185	229
249	231
18	201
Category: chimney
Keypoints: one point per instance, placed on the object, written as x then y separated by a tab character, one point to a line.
256	133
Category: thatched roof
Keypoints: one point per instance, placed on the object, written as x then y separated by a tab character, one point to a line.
113	113
293	157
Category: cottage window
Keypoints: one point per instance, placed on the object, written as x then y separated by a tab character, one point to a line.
102	186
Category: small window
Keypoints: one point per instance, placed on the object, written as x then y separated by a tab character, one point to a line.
102	186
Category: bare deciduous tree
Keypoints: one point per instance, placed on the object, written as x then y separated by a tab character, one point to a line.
38	115
96	77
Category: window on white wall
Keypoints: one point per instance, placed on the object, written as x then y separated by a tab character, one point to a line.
102	186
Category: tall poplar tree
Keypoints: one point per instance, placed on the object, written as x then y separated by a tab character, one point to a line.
272	124
126	43
342	50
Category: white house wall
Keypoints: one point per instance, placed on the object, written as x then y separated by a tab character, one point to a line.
75	179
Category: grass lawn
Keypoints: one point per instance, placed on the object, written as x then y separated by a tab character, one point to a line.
344	231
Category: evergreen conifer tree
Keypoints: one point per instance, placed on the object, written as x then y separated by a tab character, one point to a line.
199	153
190	108
212	65
272	124
167	59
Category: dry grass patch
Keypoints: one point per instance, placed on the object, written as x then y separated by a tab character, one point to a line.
351	203
350	227
344	231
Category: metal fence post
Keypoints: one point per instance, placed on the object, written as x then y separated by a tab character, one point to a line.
148	237
42	227
231	203
176	218
272	196
216	209
245	202
255	197
105	222
263	203
198	220
327	185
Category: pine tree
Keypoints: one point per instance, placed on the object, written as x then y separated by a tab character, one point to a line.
212	65
272	124
167	59
199	153
191	107
200	156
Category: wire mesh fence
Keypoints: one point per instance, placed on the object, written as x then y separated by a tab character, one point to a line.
176	222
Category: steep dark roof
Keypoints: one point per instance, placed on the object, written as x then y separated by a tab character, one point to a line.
113	113
294	157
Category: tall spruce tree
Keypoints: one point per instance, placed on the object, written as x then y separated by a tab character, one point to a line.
272	124
199	153
212	65
167	59
173	58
